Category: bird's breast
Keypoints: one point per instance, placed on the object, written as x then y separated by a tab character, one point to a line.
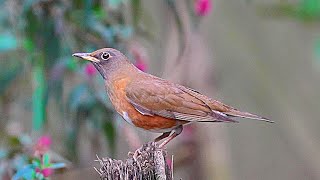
117	95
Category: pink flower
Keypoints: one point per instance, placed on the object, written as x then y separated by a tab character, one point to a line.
44	141
90	70
43	145
47	172
38	170
202	7
140	65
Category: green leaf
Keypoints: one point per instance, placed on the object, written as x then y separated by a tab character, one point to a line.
110	133
46	160
99	13
39	97
28	45
7	42
36	162
71	64
309	8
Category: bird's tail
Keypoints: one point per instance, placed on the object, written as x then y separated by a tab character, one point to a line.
236	113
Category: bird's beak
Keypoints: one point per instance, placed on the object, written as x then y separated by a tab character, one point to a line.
86	56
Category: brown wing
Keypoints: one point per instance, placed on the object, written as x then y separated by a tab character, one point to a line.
162	98
220	107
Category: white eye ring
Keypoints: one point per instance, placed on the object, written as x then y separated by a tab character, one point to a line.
105	56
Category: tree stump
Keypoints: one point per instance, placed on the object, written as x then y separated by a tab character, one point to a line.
147	162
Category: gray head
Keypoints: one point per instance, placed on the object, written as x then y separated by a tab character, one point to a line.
106	60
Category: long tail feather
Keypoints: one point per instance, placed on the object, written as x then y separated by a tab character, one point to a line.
236	113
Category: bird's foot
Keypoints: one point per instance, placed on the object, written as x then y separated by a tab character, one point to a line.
169	136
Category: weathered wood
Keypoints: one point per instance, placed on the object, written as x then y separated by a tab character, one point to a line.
147	162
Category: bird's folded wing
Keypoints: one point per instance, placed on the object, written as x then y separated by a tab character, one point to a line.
220	107
162	98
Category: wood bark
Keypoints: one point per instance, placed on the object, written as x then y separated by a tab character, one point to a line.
148	162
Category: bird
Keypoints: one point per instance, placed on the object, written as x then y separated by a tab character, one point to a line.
155	104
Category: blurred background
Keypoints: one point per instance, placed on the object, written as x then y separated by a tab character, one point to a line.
260	56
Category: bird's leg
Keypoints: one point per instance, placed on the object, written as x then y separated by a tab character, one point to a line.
164	135
175	133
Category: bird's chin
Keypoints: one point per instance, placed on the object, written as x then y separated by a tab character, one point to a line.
100	69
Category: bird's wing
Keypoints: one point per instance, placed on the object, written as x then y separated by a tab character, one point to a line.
162	98
220	107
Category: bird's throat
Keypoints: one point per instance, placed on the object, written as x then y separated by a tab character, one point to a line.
112	71
100	69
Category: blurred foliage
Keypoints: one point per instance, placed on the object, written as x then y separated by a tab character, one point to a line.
23	159
37	38
306	10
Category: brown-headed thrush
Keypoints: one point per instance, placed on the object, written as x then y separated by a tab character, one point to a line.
154	104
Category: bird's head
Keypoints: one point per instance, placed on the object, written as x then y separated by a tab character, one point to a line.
106	60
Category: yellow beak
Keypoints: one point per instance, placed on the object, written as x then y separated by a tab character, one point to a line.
86	56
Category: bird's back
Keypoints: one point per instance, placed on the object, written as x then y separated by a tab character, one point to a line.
162	97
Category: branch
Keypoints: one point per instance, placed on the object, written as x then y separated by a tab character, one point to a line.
147	162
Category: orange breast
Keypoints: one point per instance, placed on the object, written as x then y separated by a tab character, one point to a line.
129	113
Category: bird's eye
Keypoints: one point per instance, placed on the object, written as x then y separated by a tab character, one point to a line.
105	55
